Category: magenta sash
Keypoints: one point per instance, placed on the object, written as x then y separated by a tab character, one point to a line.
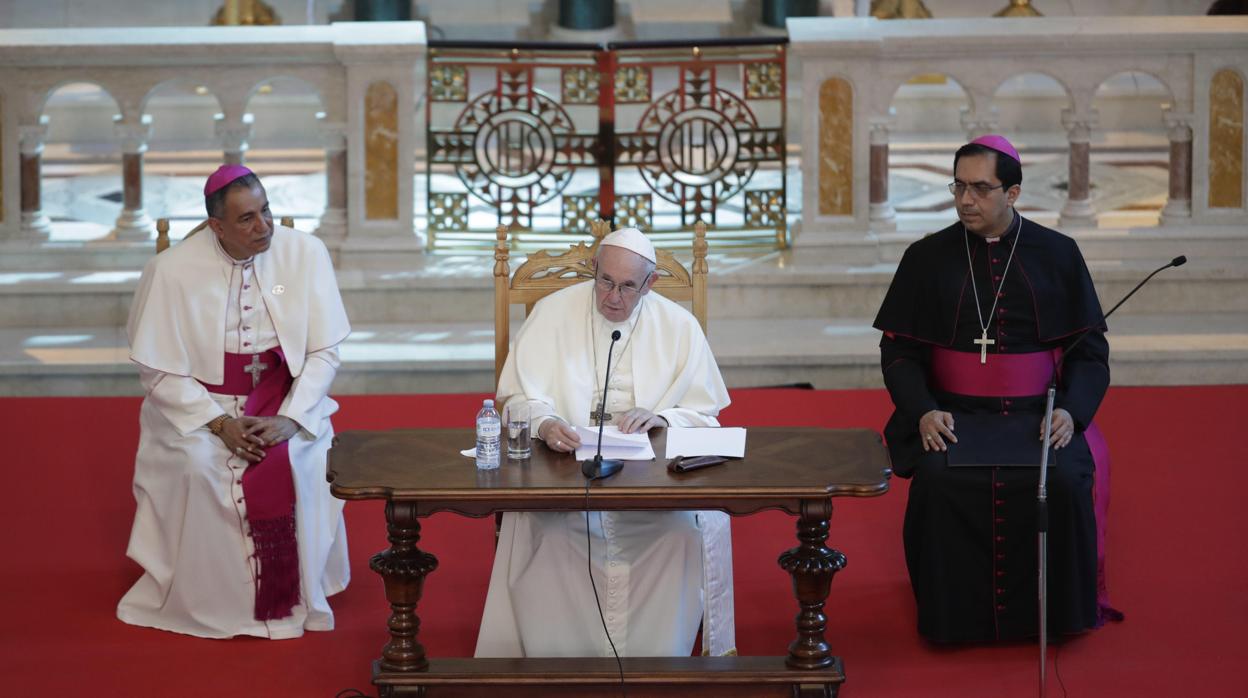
268	486
1005	375
237	379
1026	375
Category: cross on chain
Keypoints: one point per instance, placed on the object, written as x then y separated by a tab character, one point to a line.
983	343
598	417
255	368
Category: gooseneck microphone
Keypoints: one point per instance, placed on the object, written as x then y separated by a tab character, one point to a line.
596	468
1042	495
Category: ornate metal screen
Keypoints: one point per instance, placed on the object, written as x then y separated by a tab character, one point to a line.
546	138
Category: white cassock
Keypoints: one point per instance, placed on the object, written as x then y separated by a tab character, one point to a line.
195	302
658	574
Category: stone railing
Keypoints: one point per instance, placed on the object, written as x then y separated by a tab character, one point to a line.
852	68
366	76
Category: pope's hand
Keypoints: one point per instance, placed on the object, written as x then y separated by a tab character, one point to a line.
935	428
639	419
270	430
242	444
559	436
1063	429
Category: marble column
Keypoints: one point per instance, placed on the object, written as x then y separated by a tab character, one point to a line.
235	138
133	223
333	224
35	225
1078	213
1178	208
882	215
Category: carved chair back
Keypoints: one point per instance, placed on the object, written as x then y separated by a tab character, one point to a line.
544	273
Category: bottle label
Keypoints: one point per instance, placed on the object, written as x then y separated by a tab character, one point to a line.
490	428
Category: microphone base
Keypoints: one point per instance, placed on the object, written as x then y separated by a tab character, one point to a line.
601	469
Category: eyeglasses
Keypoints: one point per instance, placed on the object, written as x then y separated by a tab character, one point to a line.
979	190
626	289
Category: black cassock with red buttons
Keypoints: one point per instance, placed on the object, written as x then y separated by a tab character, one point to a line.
970	533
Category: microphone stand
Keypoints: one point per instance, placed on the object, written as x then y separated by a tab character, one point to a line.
596	468
1042	501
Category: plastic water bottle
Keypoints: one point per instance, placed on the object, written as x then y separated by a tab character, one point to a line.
489	436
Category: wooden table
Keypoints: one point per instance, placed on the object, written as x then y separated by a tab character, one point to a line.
420	472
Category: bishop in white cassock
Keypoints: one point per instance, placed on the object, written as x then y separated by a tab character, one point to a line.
235	332
659	574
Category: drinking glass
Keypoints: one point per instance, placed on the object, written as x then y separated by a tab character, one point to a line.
516	423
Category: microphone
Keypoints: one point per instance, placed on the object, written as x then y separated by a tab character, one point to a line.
596	468
1042	493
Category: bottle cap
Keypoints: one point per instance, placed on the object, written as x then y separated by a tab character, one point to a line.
488	402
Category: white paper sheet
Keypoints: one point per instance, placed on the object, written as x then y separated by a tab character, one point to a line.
706	441
614	444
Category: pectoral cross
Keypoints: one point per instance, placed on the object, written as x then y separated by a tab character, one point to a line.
255	368
598	417
983	343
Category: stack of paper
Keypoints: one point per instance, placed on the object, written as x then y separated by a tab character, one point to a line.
706	441
615	444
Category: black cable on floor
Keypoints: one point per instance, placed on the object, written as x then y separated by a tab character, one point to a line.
1057	651
589	566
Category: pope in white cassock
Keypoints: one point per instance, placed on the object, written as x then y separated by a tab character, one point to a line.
235	333
659	574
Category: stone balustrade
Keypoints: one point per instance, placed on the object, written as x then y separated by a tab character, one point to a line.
365	76
854	68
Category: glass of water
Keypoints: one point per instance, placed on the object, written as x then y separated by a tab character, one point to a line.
516	424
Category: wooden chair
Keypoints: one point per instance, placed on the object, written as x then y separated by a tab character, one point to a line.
544	273
162	231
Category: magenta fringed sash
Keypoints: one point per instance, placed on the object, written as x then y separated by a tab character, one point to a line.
1021	375
268	487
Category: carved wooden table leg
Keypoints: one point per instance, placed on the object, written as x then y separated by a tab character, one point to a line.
812	565
403	567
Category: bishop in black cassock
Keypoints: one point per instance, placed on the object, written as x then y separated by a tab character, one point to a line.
974	322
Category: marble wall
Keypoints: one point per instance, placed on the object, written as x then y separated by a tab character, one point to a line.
307	84
1086	57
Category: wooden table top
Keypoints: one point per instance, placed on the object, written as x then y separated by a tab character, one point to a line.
781	467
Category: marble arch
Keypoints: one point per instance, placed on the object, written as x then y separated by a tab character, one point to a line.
189	84
1043	73
1115	72
897	85
61	84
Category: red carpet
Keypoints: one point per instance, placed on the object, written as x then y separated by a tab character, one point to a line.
1177	564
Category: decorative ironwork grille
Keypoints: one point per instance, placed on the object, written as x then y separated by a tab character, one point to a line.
546	138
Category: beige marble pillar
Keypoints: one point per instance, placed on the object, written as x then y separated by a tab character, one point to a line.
133	223
31	137
333	224
836	152
1078	212
235	138
1226	140
882	215
1178	208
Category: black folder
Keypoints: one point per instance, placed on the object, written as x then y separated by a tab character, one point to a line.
1000	440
